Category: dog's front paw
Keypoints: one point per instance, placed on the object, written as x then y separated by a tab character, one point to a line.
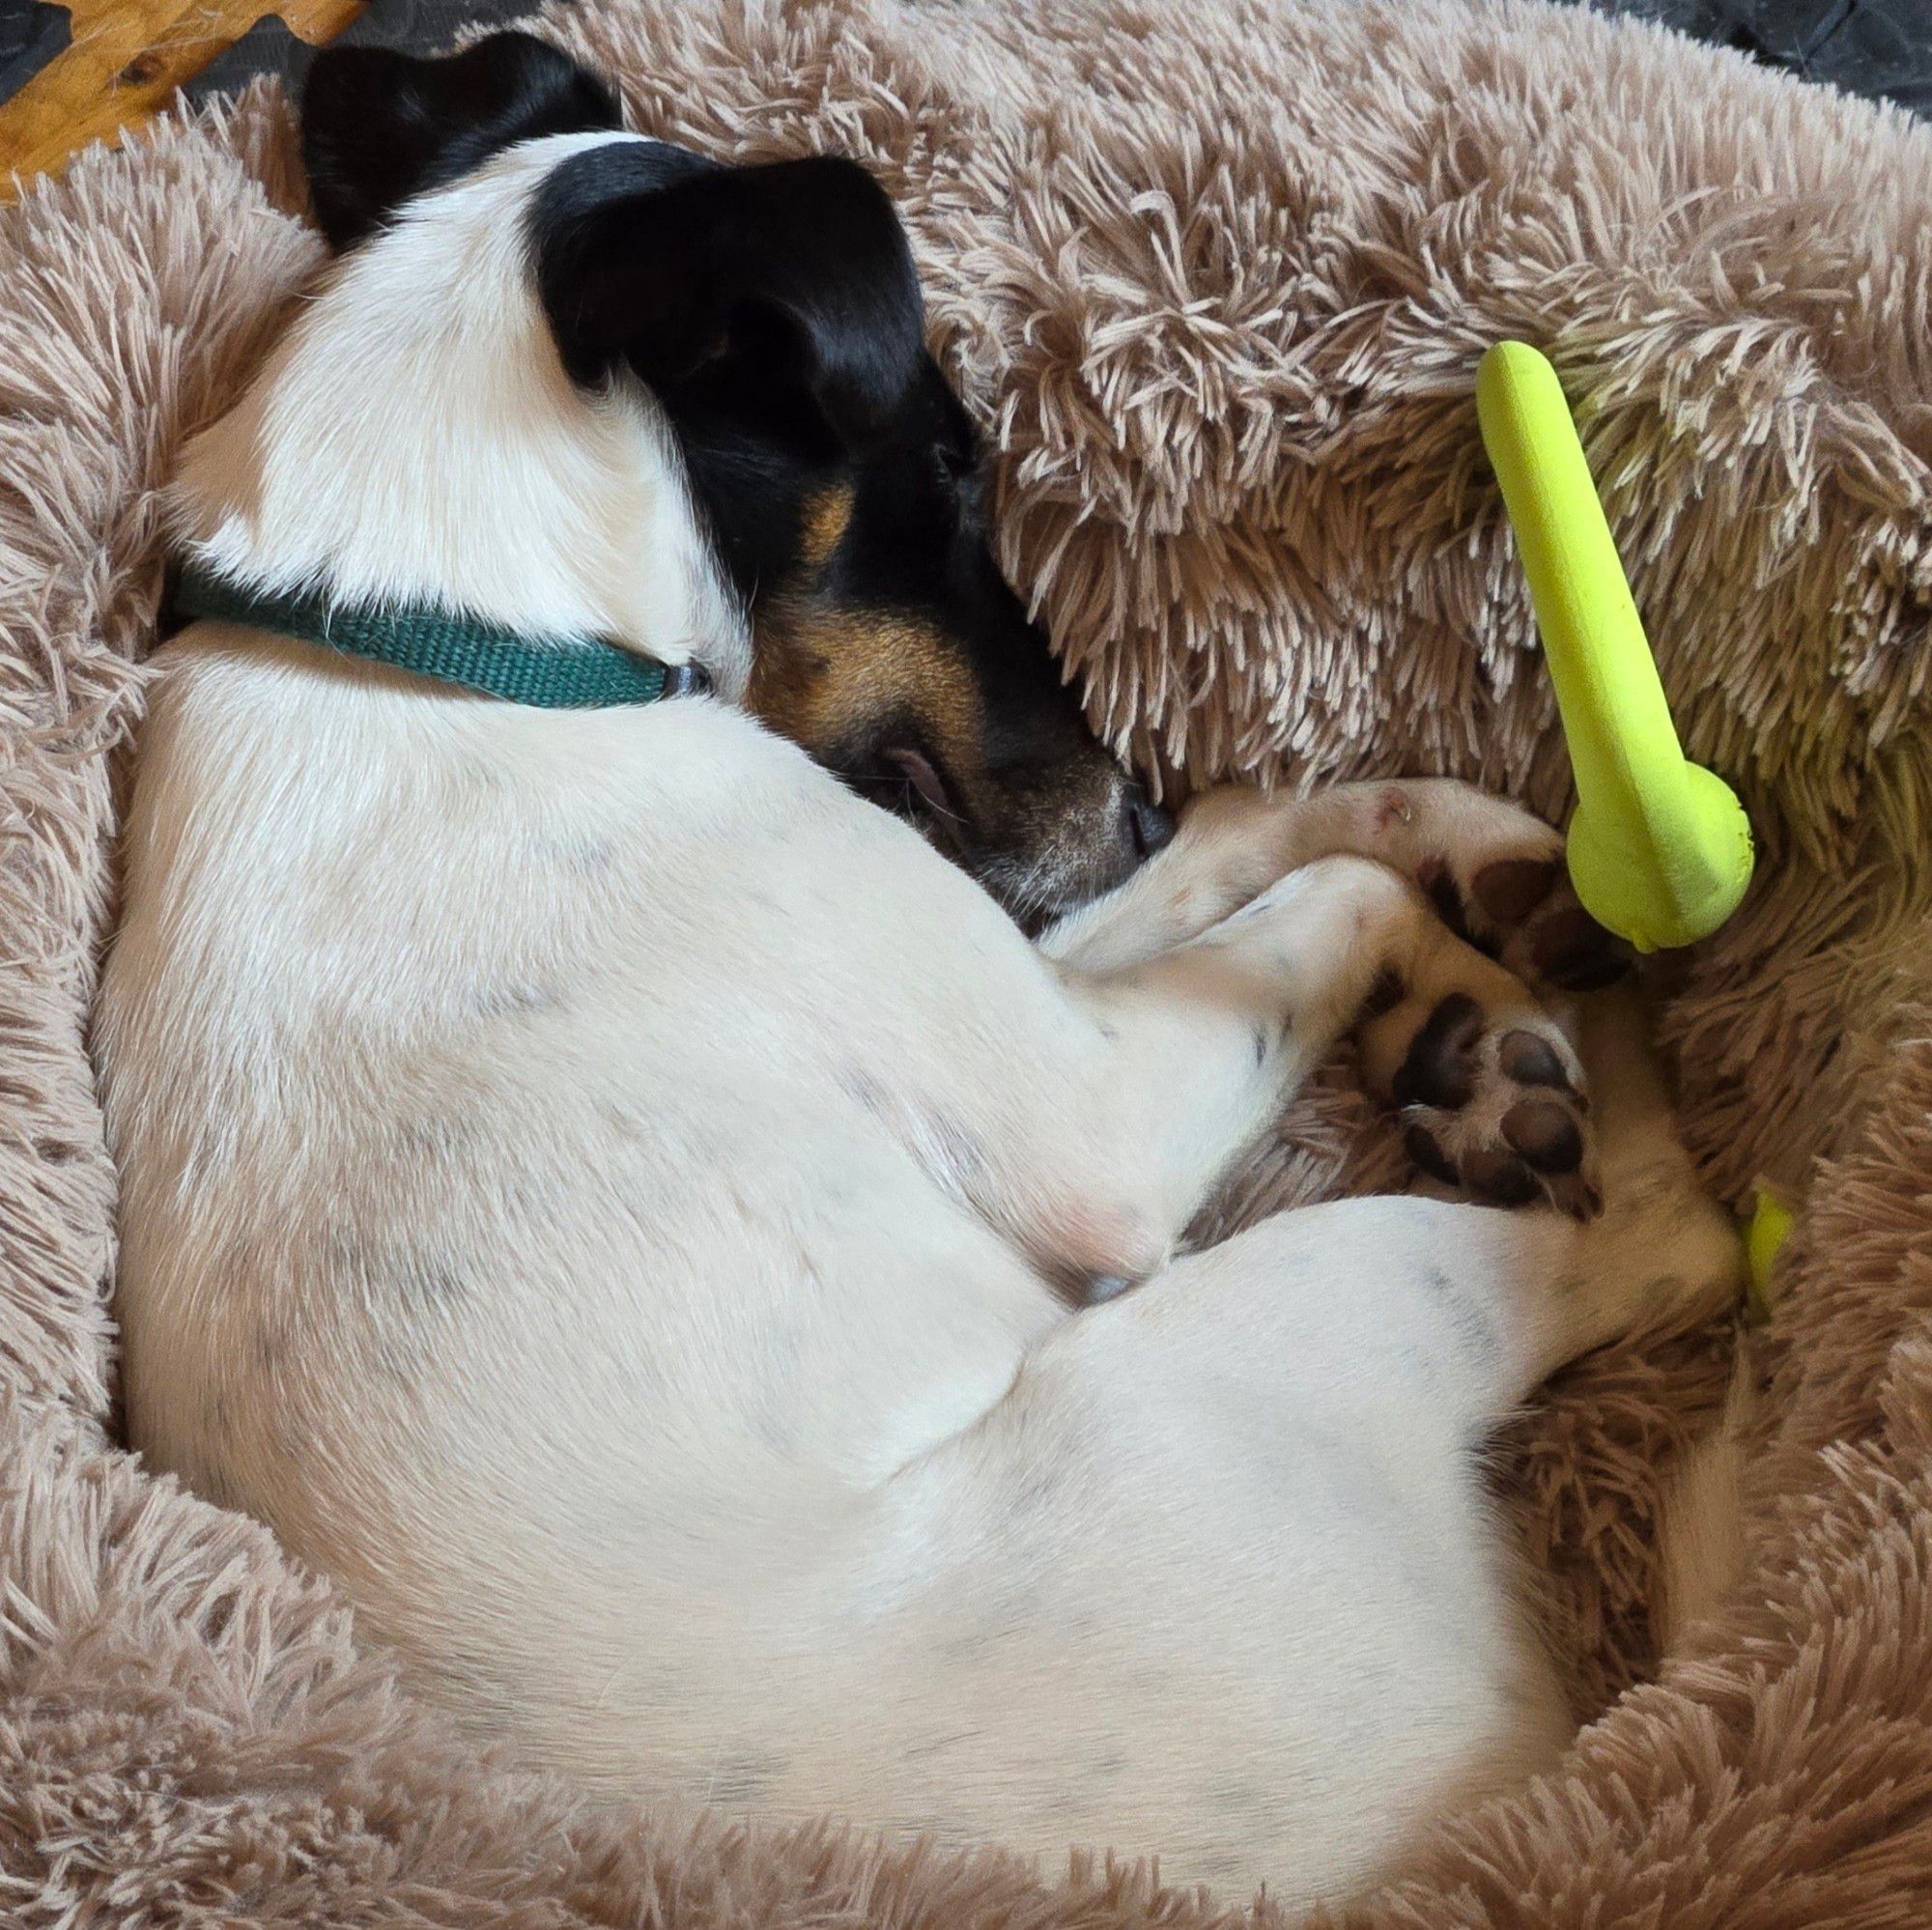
1490	1090
1497	877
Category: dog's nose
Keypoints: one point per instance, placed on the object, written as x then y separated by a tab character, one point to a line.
1151	826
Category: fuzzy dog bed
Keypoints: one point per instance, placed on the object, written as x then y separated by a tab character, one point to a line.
1217	273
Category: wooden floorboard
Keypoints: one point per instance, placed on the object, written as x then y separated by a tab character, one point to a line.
123	65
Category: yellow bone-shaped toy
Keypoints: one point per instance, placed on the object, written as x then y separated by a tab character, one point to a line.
1660	849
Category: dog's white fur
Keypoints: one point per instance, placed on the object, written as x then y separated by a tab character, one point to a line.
598	1188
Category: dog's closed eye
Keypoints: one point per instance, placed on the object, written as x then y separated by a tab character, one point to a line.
920	772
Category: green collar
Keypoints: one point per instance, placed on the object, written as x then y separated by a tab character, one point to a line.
553	673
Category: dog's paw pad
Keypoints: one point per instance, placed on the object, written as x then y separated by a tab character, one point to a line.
1440	1067
1524	912
1530	1061
1509	890
1545	1134
1489	869
1567	949
1520	909
1495	1107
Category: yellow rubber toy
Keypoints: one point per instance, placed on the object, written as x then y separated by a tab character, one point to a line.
1660	849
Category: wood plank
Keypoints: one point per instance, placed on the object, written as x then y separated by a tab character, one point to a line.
125	61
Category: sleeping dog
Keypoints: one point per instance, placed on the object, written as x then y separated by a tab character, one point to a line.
649	1222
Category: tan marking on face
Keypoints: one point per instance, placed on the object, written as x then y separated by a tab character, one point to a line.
847	683
823	672
822	526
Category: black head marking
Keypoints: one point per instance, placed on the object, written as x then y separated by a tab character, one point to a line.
378	127
777	300
775	315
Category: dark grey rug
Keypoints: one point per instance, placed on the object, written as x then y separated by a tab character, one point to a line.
417	26
1881	49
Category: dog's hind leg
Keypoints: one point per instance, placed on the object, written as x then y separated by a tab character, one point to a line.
1403	1297
1255	1485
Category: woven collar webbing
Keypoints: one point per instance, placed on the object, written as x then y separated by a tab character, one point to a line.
557	673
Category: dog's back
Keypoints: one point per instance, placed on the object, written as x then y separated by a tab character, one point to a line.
486	1192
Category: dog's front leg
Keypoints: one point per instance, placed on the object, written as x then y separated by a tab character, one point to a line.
1489	868
1207	1041
1111	1110
1218	984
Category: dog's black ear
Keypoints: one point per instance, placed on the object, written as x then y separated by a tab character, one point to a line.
378	126
780	301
